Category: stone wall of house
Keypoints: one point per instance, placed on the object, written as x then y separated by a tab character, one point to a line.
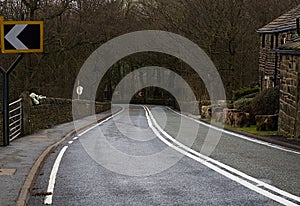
298	113
267	57
297	130
289	115
266	61
1	131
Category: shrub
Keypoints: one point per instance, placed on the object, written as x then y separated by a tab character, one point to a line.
266	103
243	104
244	92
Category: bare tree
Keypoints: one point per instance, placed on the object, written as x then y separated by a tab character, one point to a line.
75	28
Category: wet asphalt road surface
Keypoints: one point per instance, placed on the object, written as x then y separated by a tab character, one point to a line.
105	166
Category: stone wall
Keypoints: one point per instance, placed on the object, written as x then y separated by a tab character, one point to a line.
1	126
54	111
51	112
289	115
298	113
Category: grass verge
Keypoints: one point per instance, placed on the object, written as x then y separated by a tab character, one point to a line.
250	130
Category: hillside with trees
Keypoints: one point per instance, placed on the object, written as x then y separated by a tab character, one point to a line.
75	28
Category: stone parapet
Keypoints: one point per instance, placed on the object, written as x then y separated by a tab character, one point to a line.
53	111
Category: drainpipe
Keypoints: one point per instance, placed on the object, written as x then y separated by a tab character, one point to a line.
297	135
298	26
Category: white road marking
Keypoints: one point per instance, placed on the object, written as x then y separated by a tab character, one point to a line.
48	198
93	127
238	135
52	179
206	161
261	183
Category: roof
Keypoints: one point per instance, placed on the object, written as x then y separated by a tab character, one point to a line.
286	22
292	47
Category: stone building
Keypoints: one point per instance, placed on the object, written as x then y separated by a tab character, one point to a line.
289	115
273	35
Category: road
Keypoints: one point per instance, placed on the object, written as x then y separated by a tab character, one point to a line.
139	157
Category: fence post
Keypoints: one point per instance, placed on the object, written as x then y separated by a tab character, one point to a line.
27	103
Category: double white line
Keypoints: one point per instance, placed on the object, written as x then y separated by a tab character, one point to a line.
251	183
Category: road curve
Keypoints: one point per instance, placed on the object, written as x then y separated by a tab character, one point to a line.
91	172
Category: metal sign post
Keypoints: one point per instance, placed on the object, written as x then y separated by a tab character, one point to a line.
17	37
5	98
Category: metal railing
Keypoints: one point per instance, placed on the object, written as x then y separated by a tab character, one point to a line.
15	119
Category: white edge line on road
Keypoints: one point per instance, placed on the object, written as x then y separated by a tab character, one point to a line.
50	189
237	135
98	124
219	170
48	198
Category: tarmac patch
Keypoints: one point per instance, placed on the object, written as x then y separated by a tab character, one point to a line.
7	172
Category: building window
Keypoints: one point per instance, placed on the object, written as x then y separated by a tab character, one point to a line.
263	41
272	41
283	39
